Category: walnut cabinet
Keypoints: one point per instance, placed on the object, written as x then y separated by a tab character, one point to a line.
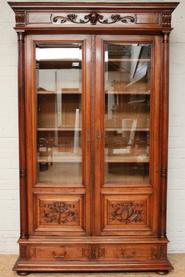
93	130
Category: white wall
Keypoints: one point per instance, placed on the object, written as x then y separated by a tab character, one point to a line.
9	172
176	173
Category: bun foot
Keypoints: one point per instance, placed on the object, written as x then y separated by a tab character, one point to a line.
22	273
164	272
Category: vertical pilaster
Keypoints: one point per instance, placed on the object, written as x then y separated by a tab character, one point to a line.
164	132
22	136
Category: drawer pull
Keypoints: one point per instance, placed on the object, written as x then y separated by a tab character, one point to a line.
60	256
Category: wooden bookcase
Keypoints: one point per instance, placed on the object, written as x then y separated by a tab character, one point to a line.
93	131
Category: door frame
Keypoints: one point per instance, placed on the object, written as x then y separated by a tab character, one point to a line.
153	189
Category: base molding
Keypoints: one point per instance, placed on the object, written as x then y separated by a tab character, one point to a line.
21	266
92	255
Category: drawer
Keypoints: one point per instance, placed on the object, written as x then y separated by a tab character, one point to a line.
101	252
58	252
126	252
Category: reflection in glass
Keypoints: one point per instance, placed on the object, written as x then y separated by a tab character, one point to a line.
127	113
59	122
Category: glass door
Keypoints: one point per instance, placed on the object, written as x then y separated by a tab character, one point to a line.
125	135
59	127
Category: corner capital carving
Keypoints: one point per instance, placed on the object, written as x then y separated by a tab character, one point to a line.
166	19
20	18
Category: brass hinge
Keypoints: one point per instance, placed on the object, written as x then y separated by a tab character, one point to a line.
164	172
22	173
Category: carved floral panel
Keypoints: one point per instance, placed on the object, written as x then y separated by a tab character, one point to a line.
59	212
126	212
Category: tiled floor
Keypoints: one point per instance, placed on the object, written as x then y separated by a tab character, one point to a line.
178	261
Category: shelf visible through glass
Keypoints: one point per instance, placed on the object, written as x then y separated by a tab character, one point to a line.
127	113
59	115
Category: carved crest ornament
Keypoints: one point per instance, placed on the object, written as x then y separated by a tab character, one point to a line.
93	18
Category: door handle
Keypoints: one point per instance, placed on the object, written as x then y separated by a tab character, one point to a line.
88	136
61	257
98	136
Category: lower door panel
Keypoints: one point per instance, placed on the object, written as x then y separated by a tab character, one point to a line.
59	214
126	214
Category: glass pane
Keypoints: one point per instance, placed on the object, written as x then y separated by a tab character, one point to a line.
59	119
127	113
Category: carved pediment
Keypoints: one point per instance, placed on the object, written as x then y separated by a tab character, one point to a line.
93	18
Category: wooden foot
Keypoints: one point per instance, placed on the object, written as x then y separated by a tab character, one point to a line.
164	272
22	273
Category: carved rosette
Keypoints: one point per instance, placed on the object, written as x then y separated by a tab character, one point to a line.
158	252
86	253
127	253
59	212
93	18
126	212
100	252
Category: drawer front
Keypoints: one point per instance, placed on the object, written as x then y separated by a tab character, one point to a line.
128	252
103	252
58	253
